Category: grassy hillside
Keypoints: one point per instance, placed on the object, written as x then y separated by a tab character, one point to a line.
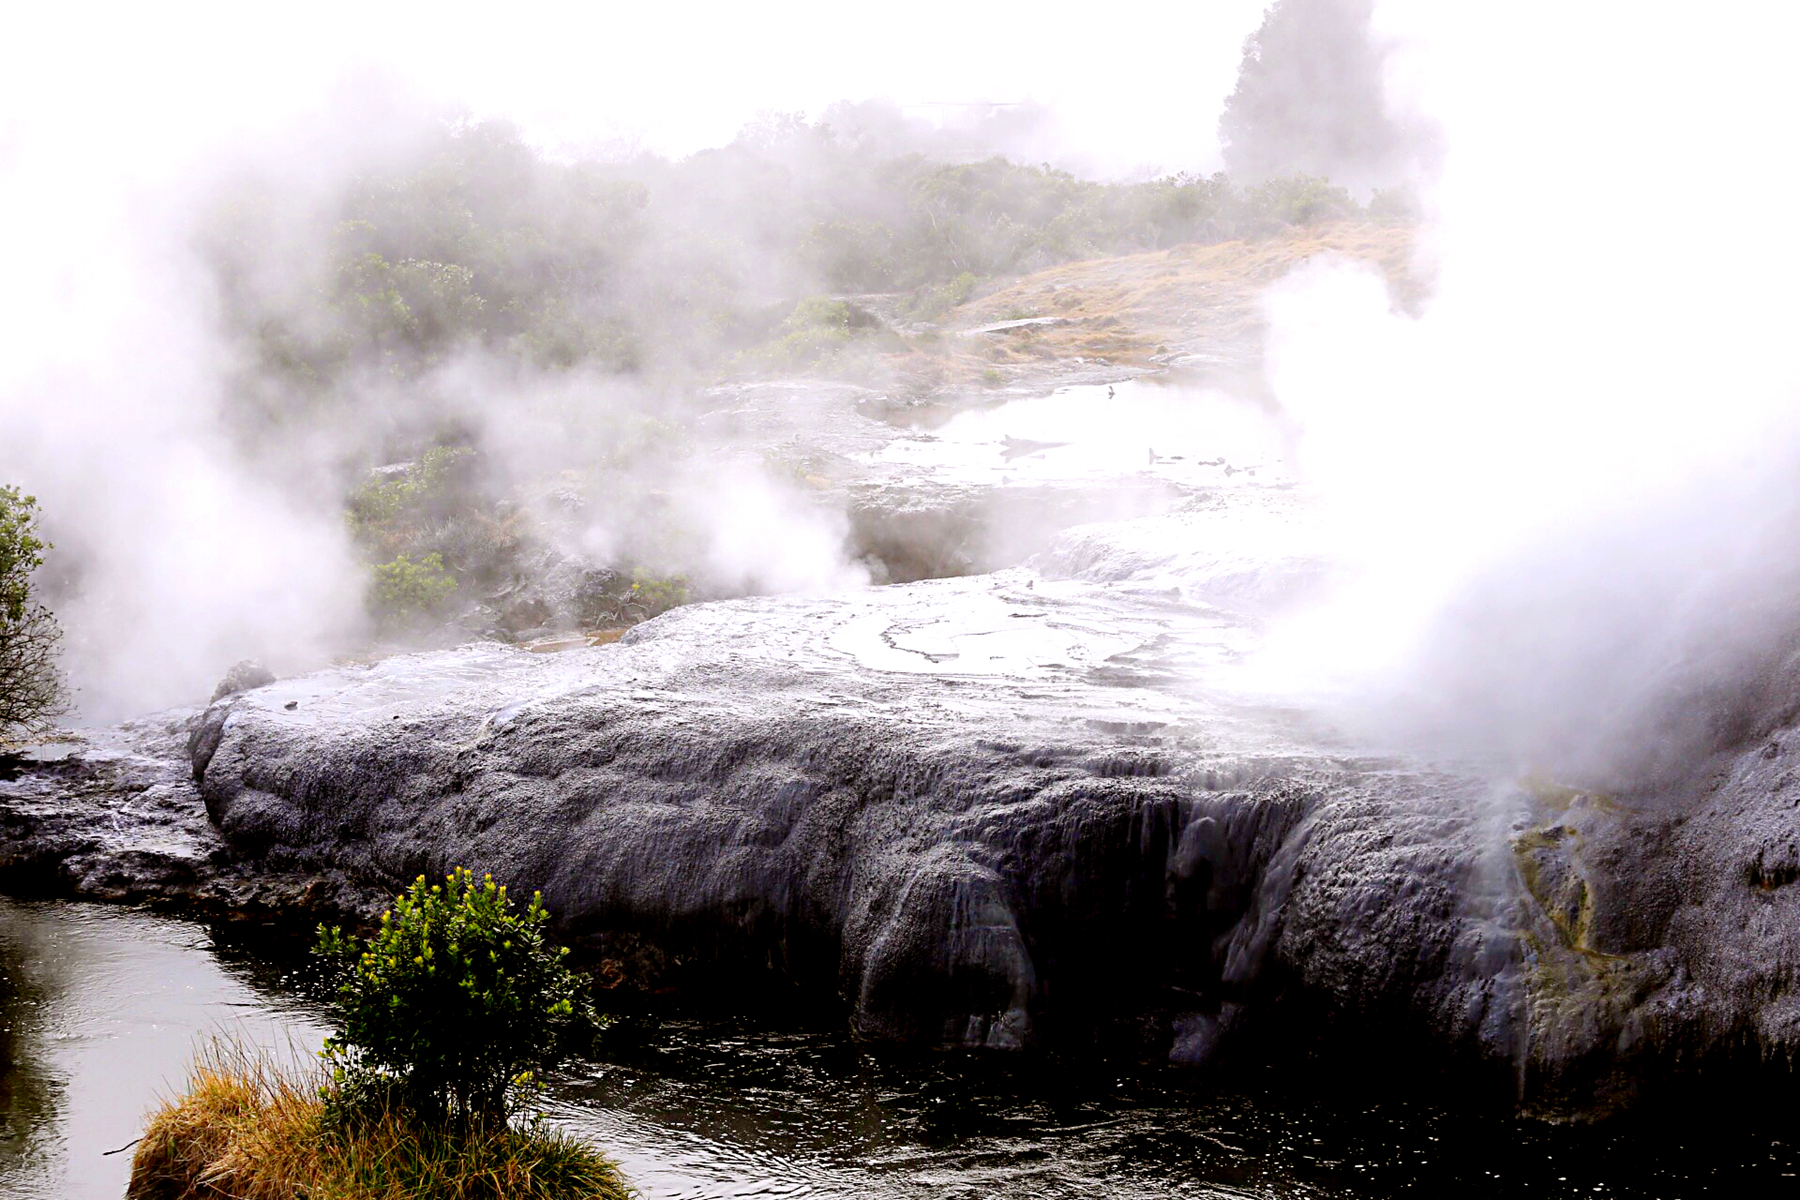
1139	310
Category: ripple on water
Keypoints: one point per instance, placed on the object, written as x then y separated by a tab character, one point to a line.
100	1009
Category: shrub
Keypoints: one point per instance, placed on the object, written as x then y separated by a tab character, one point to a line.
405	592
850	255
1395	206
1301	200
657	594
31	687
934	302
383	509
817	327
249	1130
454	1003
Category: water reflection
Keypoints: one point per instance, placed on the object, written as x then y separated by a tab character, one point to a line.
28	1099
1151	428
716	1110
101	1009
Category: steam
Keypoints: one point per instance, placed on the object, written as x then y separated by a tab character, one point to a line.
1310	100
721	518
1566	487
188	538
1569	484
174	555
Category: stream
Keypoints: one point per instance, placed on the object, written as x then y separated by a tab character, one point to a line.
101	1008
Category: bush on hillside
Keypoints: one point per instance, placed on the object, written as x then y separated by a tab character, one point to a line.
467	238
404	592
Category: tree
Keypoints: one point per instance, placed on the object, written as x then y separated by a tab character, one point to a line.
1310	100
454	1002
31	686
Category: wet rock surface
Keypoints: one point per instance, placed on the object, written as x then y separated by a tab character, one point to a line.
115	815
1025	809
1011	811
863	793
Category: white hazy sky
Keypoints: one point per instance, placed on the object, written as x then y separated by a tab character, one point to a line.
1132	85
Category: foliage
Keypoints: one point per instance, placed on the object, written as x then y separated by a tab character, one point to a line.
471	238
455	1001
426	529
31	687
1301	200
412	302
657	594
608	599
815	328
1395	206
564	337
933	302
851	255
424	491
404	592
246	1129
818	326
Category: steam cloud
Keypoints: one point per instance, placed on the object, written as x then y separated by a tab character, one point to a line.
186	541
174	554
1569	484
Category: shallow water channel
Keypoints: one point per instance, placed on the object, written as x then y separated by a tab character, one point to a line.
100	1009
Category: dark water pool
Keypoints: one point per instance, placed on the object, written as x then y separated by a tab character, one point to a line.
100	1009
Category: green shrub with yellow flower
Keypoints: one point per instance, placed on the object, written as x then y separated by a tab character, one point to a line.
447	1014
456	1003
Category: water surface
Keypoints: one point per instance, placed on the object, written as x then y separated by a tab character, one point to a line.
1150	428
100	1009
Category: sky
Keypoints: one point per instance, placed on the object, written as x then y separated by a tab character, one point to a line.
1132	86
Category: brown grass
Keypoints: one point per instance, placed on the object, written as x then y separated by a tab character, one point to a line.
248	1130
1137	309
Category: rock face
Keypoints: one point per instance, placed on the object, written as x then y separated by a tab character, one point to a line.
1033	808
1005	811
846	791
115	815
242	677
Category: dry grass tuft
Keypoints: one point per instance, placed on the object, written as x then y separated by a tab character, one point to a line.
248	1130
